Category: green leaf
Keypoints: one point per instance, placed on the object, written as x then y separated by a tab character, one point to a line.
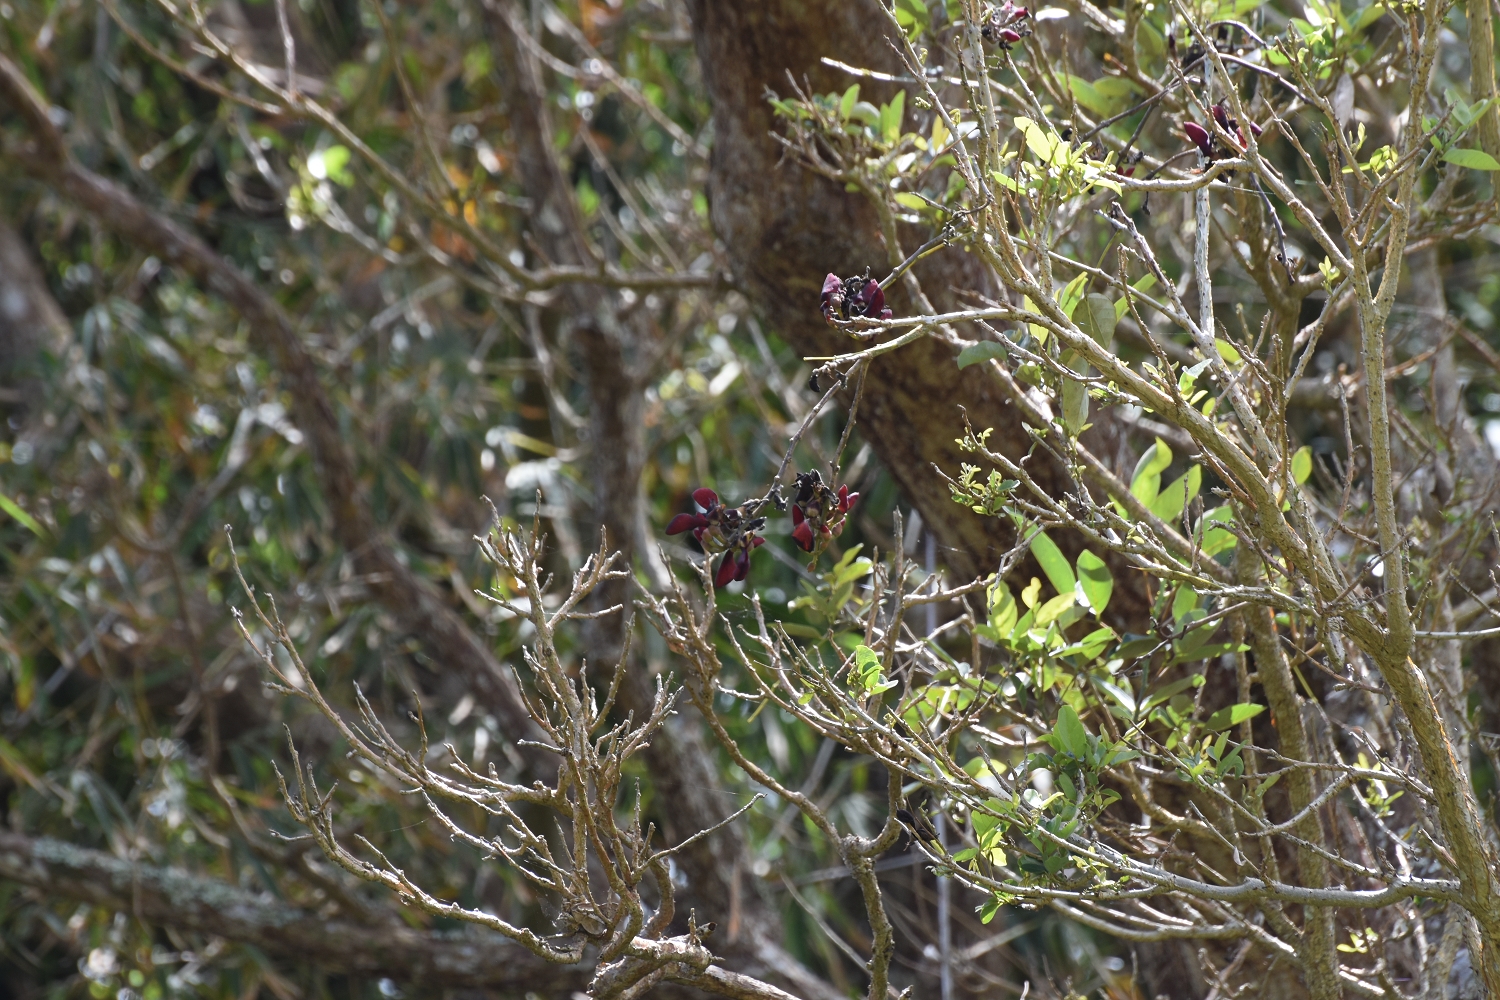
846	103
1302	465
1370	15
588	198
1030	592
891	116
26	520
1041	144
1054	609
940	137
1228	351
1095	580
1145	482
1053	563
1091	645
1075	406
1233	715
911	15
1216	540
909	200
1070	736
864	111
1176	495
1098	318
988	911
1144	285
982	351
1089	97
1473	159
1184	602
336	165
1071	295
1003	610
866	671
1116	89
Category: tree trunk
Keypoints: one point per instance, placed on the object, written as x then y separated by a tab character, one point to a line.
785	228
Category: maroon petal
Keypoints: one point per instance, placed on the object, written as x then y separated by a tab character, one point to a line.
1021	14
874	299
797	516
1009	36
725	572
1222	117
682	522
1199	136
846	503
803	536
1255	129
705	498
742	565
833	296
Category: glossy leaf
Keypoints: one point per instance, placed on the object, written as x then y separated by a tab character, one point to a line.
1095	581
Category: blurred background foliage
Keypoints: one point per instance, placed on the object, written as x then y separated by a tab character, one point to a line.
132	718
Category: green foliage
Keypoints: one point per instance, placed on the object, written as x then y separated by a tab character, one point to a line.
865	672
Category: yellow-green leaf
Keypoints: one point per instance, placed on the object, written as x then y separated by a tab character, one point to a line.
846	103
1145	483
1302	465
1473	159
26	520
1228	352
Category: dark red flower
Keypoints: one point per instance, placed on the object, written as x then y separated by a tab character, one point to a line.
683	522
1003	27
833	297
849	298
736	564
818	512
1199	137
1233	127
720	529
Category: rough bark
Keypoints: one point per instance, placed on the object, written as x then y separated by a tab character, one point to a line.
173	898
785	228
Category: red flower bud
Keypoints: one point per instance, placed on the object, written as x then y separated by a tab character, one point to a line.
1199	136
726	571
682	522
833	297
